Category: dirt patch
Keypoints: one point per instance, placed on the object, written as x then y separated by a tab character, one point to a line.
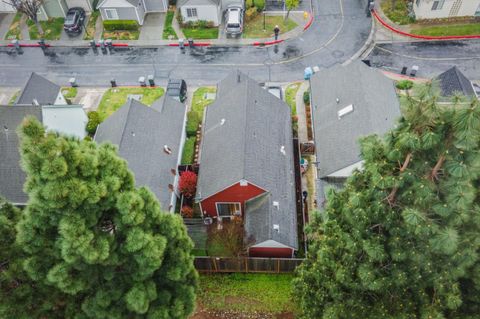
241	300
203	313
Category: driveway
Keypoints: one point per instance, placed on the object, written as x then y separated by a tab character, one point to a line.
64	36
152	28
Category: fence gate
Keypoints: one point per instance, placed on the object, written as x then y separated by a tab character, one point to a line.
307	148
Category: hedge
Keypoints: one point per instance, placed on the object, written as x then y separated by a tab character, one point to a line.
404	85
193	121
188	151
93	121
120	25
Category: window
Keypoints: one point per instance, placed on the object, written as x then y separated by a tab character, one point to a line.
228	209
192	12
438	4
111	14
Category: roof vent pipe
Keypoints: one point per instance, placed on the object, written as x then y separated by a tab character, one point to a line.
167	149
282	150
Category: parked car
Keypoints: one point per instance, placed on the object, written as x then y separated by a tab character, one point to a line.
234	21
74	20
177	89
275	90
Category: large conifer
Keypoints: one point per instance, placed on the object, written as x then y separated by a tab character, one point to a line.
402	239
92	245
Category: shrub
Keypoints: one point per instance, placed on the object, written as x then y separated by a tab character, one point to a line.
193	121
93	121
188	184
120	25
187	211
188	150
306	97
404	85
251	13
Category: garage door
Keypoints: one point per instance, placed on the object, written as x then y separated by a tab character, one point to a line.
6	7
79	3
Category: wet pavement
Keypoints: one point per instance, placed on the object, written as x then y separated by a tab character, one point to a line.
339	31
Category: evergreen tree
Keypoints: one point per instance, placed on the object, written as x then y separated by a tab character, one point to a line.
401	240
91	244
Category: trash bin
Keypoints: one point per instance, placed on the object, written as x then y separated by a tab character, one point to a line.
307	73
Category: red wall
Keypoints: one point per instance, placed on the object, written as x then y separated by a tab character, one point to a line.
270	252
234	193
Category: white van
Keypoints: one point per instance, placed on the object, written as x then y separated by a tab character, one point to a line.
234	21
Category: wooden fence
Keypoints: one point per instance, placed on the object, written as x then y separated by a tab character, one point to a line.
246	264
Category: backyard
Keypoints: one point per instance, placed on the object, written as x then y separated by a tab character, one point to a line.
254	28
52	29
246	296
114	98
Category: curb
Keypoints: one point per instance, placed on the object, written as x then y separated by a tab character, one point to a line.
309	23
423	37
195	44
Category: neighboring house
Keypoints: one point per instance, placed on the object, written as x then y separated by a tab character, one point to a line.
435	9
247	166
453	81
348	102
151	140
6	8
66	119
59	8
130	9
40	91
196	10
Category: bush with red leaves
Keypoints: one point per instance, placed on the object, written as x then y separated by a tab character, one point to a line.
187	211
188	184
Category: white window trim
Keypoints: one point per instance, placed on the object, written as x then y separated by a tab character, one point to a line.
114	16
218	211
191	10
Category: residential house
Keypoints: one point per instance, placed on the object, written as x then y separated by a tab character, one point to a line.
247	166
66	119
54	8
40	91
435	9
151	140
197	10
453	81
348	102
130	9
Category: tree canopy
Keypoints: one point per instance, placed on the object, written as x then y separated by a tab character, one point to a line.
401	239
89	244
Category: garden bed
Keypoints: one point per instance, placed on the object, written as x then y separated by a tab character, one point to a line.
291	95
90	27
399	13
52	29
14	31
121	35
254	28
114	98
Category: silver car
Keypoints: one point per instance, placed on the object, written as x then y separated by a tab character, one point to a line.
234	21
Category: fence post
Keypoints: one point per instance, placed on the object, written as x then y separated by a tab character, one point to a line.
278	265
215	264
246	264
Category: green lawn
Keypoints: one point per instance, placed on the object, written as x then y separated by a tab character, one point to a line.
398	14
249	293
200	33
447	29
114	98
52	29
290	95
90	28
254	28
199	102
168	31
121	35
14	29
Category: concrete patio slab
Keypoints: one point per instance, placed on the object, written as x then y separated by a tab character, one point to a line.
89	97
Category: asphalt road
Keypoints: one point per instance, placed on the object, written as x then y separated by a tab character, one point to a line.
339	31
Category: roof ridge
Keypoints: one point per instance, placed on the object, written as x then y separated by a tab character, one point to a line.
126	119
246	123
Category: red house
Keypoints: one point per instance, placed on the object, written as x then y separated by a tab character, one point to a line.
246	166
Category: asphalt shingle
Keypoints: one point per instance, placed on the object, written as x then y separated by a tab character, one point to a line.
453	81
40	89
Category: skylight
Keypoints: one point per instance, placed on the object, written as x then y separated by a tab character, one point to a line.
346	110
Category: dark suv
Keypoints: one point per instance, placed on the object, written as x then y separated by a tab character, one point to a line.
74	20
177	89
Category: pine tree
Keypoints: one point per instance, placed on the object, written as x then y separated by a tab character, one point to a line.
92	245
401	240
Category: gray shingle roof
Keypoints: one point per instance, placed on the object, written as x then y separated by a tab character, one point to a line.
197	2
454	81
376	108
12	176
141	132
244	132
39	88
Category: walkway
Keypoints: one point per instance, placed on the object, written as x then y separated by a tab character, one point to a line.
24	28
152	28
5	22
302	118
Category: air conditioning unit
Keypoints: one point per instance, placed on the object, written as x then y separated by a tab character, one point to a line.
207	220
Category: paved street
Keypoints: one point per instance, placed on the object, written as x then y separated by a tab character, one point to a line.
340	30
